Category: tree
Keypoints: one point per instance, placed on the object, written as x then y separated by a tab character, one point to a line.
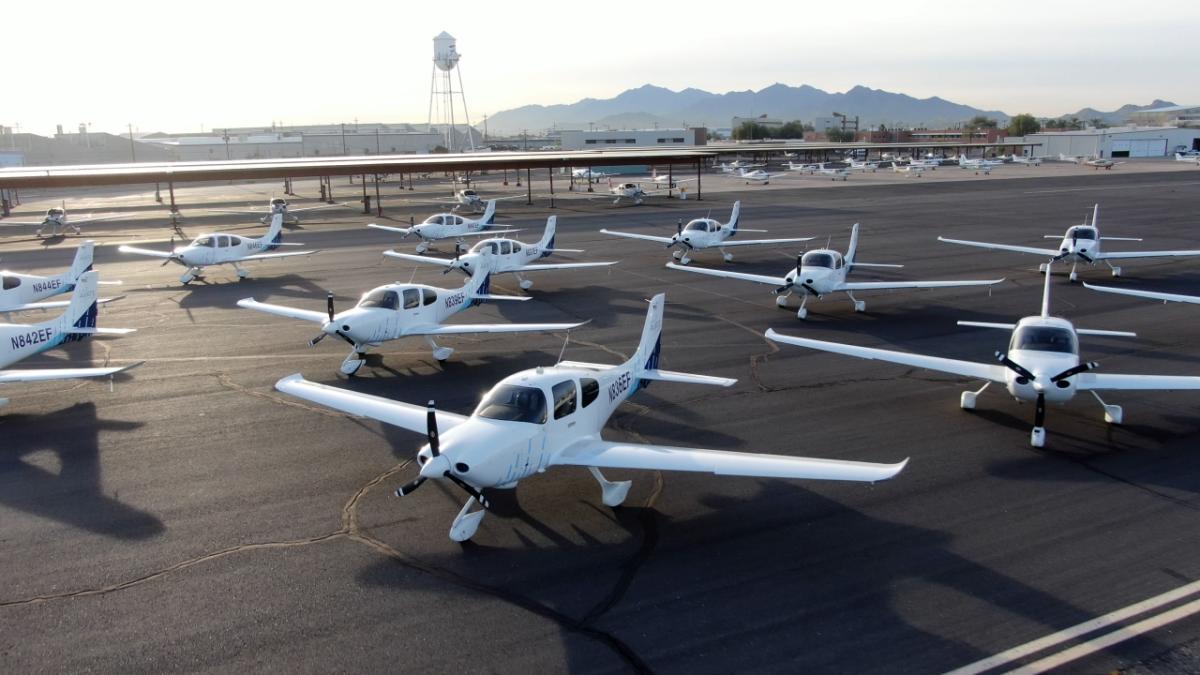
837	135
749	131
716	136
1023	124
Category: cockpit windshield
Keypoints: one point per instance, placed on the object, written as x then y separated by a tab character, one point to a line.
54	212
205	241
697	226
380	297
433	220
1083	233
514	404
1045	339
278	202
817	259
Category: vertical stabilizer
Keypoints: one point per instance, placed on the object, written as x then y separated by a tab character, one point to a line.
853	248
546	245
82	311
83	261
733	217
1046	291
275	231
646	356
489	214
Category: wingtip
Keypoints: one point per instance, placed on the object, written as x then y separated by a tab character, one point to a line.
246	302
284	382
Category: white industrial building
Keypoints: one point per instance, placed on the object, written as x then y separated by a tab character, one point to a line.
1172	115
1115	142
635	138
279	144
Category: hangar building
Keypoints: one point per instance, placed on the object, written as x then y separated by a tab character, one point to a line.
1116	142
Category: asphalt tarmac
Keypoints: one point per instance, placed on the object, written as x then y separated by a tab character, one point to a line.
196	519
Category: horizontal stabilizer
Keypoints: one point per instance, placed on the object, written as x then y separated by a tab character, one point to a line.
686	378
493	298
988	324
100	331
1109	333
46	374
863	264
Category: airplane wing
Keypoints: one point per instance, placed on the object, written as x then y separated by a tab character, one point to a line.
884	285
92	219
756	278
280	310
419	258
21	222
609	455
395	413
269	256
1048	252
981	371
467	328
401	230
145	251
255	212
761	242
1090	381
631	235
1125	255
1165	297
314	208
45	374
564	266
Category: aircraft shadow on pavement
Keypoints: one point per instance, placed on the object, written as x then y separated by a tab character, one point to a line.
774	574
75	495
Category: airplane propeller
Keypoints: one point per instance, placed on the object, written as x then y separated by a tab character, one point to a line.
331	313
434	454
1014	366
173	256
1081	368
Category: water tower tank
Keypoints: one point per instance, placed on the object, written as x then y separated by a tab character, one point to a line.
445	54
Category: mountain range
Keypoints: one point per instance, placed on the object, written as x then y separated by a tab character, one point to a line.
649	106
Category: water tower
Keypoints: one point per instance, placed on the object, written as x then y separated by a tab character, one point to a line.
442	93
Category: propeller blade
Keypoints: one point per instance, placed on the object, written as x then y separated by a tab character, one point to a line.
1014	366
1081	368
1086	258
408	488
1039	411
469	489
679	227
317	339
432	430
781	289
329	305
346	338
812	290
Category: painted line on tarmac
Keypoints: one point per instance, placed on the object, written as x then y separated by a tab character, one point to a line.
1099	187
1090	626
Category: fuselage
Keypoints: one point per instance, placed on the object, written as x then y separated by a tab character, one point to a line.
1081	243
703	233
507	255
219	247
820	271
446	225
1045	346
19	289
526	420
387	312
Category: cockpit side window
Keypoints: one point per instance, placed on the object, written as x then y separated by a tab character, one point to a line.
591	389
206	241
412	298
430	296
493	247
564	398
515	404
516	247
11	282
505	248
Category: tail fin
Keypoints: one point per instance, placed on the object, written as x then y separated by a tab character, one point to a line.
480	283
275	231
853	248
82	311
733	217
1046	291
646	356
83	261
489	214
546	245
1095	215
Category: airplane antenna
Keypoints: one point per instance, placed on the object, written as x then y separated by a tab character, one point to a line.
563	351
829	241
413	276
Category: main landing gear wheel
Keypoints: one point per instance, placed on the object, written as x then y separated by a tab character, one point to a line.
677	254
1037	437
728	256
422	247
781	301
526	284
351	365
443	353
801	313
612	493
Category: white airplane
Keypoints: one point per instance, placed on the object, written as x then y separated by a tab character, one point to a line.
1042	365
908	169
1193	159
705	233
1081	243
18	341
665	180
395	311
1027	161
793	166
507	256
833	172
1150	295
863	166
21	292
586	173
737	166
56	217
931	163
823	271
554	416
631	191
757	176
979	165
219	248
278	205
448	226
1093	161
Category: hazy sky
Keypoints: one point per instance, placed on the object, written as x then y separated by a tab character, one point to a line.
180	66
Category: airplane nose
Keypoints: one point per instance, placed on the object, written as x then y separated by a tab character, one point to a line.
435	467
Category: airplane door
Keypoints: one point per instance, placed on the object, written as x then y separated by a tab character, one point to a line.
563	426
410	305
